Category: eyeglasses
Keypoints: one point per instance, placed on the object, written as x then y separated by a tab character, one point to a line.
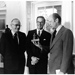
16	25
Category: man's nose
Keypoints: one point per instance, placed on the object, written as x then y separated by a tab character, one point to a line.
39	23
17	27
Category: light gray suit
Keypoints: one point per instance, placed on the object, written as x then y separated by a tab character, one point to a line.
61	52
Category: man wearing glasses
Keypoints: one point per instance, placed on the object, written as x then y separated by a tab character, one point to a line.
12	49
38	42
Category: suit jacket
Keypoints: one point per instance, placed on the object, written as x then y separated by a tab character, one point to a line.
61	52
13	54
32	50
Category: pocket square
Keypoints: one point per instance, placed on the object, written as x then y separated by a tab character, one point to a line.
44	39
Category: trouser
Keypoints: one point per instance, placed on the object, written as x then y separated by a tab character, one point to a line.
38	69
18	71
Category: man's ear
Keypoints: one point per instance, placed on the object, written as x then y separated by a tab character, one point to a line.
57	20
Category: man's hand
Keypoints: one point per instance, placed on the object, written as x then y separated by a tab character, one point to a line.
37	43
34	60
59	72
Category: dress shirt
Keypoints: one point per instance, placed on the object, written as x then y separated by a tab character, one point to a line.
58	28
40	31
12	33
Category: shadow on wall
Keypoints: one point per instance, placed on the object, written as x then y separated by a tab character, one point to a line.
67	25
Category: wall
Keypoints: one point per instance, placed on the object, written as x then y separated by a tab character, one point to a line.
67	18
74	25
28	15
16	9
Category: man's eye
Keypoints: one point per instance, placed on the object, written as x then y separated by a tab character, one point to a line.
17	25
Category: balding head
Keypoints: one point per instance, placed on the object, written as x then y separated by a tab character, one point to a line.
15	25
54	20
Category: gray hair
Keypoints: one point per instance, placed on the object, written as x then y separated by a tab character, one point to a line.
16	20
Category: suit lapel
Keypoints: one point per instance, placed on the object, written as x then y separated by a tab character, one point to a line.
57	37
10	38
19	38
35	31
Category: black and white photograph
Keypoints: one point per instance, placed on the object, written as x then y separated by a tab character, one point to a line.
37	37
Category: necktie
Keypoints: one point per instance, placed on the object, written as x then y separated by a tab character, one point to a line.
16	38
39	33
53	35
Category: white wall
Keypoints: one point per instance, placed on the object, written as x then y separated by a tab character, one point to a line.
67	14
16	9
74	25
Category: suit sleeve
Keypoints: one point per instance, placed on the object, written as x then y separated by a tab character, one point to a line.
46	47
67	51
28	44
24	42
2	44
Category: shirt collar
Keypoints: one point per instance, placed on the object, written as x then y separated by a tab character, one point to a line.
40	31
58	28
12	32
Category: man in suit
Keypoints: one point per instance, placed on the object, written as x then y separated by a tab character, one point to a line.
12	49
38	41
61	47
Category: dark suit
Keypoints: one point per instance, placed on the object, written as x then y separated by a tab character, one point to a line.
61	52
32	50
13	53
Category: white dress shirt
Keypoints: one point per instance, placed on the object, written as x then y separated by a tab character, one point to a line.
58	28
40	31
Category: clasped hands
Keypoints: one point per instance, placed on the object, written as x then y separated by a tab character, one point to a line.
34	60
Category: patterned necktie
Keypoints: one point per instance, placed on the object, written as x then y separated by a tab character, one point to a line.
53	35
